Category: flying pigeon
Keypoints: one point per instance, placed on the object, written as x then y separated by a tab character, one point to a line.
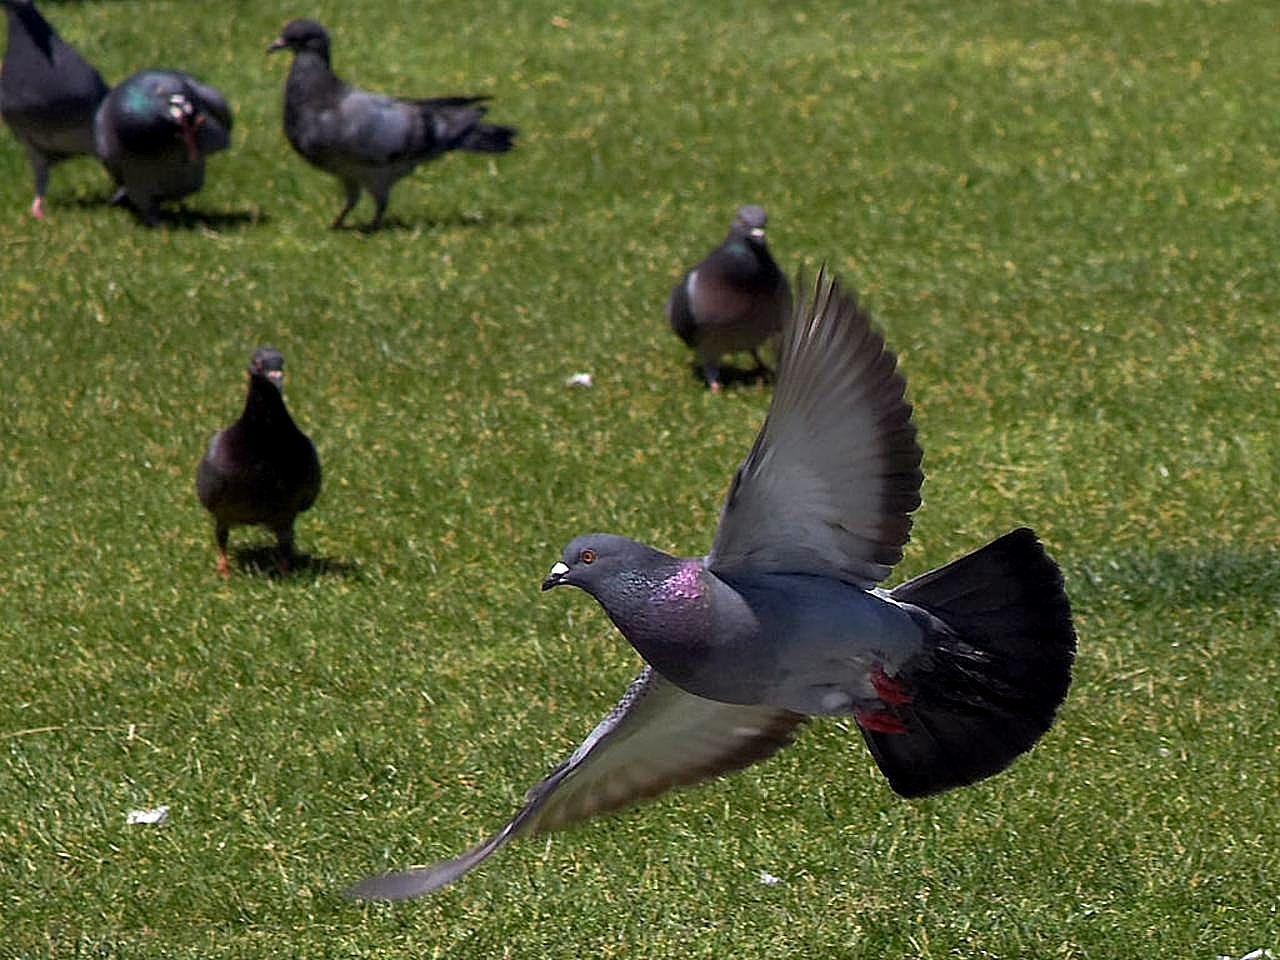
48	94
949	676
153	132
262	469
735	299
368	139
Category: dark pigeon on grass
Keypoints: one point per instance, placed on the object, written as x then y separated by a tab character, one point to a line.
369	140
735	299
262	469
949	676
153	133
48	94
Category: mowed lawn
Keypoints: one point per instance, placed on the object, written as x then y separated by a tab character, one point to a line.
1064	216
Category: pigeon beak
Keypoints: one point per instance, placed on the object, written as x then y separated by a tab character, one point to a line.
276	377
276	44
757	233
556	577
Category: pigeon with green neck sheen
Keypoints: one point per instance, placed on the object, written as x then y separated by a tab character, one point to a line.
153	133
261	470
950	676
370	140
48	94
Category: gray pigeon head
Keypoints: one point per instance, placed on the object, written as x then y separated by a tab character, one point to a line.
749	222
299	35
268	362
594	559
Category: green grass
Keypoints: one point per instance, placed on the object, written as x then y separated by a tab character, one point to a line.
1065	217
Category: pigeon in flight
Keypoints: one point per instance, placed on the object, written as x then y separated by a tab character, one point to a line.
48	94
153	132
262	469
735	299
949	676
369	140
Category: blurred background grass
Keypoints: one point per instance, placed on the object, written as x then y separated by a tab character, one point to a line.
1063	215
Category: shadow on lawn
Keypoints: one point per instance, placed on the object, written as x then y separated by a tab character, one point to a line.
1167	578
183	218
455	221
261	561
734	378
180	217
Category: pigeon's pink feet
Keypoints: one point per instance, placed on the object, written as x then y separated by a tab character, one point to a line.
889	689
715	386
224	565
37	208
878	721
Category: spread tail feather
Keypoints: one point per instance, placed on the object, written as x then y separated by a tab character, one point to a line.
998	665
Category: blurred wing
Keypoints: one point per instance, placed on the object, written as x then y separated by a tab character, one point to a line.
657	737
830	483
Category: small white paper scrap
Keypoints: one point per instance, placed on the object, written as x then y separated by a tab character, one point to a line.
768	879
156	816
579	380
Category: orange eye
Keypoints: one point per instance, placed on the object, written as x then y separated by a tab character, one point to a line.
587	556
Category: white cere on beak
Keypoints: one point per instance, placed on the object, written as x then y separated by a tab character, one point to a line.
757	233
559	569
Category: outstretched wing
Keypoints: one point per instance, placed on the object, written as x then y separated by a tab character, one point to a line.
657	737
830	483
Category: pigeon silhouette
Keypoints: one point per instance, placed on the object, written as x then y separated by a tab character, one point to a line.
48	94
368	140
153	132
734	299
262	469
949	676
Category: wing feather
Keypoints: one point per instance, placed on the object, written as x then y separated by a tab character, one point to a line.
656	738
834	474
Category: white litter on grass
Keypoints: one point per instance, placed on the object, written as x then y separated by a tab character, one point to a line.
768	879
1262	953
578	380
156	816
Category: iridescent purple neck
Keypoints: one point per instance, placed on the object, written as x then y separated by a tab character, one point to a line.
684	584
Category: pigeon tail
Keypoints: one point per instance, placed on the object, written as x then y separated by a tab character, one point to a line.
489	138
1000	648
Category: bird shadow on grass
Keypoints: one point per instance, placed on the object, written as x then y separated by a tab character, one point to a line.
1164	578
179	218
735	378
263	562
183	218
450	221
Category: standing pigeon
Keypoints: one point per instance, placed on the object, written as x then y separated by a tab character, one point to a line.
262	469
153	132
367	139
48	94
949	676
735	299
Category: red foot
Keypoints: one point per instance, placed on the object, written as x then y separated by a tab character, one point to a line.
224	566
888	689
37	208
878	721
